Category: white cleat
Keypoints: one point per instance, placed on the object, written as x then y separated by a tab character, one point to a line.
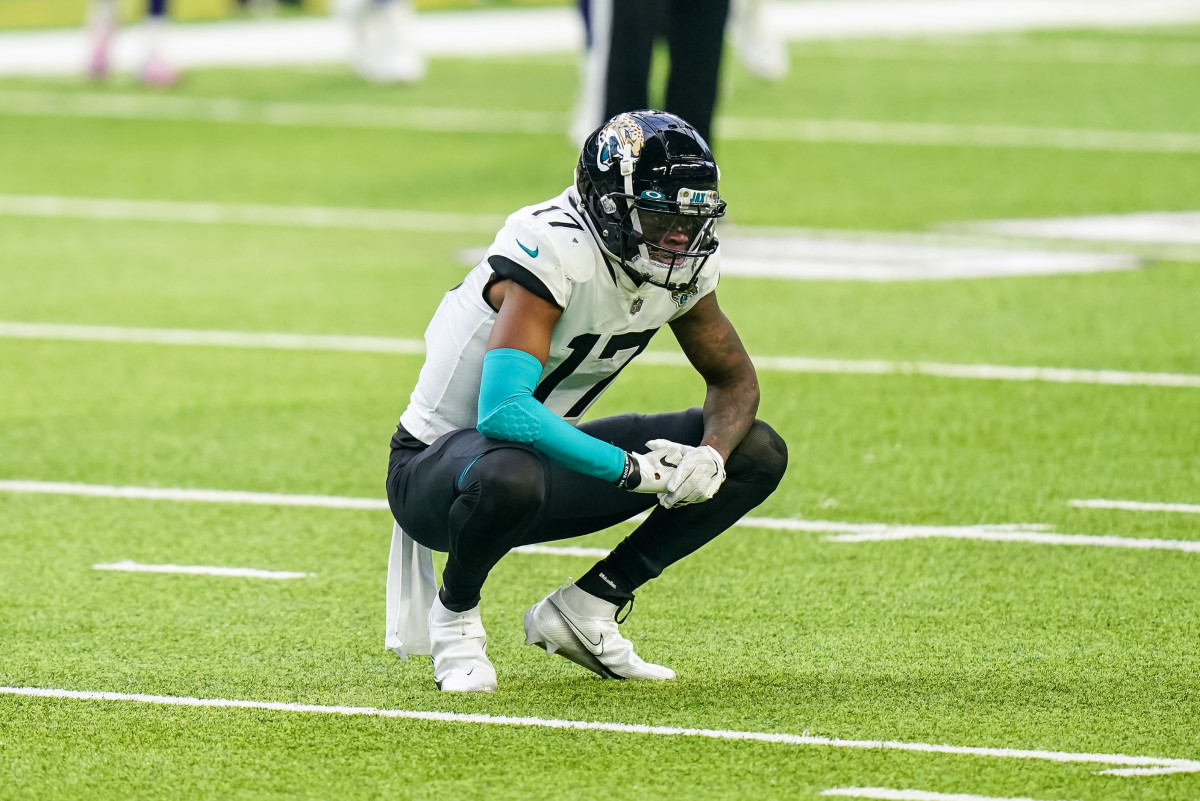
458	643
581	627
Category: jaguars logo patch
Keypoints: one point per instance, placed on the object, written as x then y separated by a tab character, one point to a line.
622	138
682	296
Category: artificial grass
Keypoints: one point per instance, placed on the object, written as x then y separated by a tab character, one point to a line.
1020	646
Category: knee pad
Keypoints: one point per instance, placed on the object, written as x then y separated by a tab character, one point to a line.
762	455
510	482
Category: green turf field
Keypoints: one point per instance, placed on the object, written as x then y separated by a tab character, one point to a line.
939	663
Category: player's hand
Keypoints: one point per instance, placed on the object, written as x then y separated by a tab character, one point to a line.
650	472
668	453
700	474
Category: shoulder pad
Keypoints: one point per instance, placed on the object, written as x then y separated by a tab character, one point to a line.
537	256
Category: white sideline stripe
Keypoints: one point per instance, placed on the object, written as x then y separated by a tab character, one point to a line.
1136	506
866	132
888	794
52	206
1033	537
1159	764
1033	533
789	364
199	570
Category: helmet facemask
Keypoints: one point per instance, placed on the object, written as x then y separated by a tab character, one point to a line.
665	242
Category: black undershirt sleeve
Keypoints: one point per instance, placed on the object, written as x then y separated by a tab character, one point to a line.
509	269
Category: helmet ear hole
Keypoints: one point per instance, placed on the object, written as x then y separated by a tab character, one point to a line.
608	205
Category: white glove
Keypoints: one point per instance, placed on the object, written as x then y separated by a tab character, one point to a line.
670	454
649	472
700	474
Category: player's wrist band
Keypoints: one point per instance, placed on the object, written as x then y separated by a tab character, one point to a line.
631	475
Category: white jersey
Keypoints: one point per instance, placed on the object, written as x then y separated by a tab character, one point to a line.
607	320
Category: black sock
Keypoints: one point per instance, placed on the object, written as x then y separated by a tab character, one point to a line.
457	604
608	581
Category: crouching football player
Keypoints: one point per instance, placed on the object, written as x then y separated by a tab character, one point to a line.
488	456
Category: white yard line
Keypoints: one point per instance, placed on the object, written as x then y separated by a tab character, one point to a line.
987	372
563	550
490	122
56	207
192	495
865	132
1135	506
1031	537
222	339
200	570
1031	533
1132	765
1178	229
869	256
888	794
749	252
33	103
789	364
1010	49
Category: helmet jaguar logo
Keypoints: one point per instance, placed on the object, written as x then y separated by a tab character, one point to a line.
622	138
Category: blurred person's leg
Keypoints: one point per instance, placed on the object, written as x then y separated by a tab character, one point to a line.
586	114
761	50
696	37
634	26
616	71
385	48
102	26
157	70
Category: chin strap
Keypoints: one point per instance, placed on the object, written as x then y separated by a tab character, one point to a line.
628	160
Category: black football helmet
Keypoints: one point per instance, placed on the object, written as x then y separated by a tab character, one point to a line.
648	182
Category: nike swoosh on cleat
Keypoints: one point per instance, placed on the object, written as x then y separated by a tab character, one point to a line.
532	253
591	646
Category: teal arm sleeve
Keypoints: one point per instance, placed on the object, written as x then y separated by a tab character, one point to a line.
508	410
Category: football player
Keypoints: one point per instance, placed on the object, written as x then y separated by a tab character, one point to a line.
490	455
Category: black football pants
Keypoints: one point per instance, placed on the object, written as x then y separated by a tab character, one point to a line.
695	34
477	498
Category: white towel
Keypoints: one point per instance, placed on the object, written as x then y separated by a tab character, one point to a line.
411	588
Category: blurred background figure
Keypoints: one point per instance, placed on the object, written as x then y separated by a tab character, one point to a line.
103	17
762	51
384	48
620	45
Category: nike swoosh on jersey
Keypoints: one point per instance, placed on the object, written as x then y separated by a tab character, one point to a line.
532	253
